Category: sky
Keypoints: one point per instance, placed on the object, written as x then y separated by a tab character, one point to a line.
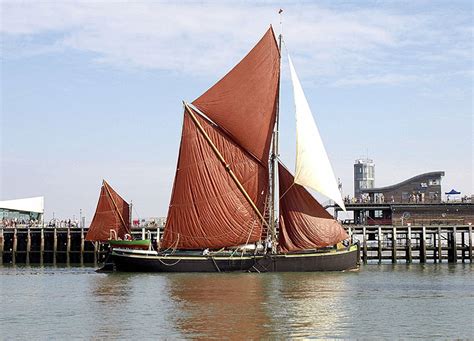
93	90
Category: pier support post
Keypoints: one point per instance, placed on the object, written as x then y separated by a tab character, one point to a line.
2	243
394	244
453	250
42	246
423	245
470	243
408	245
68	246
15	244
158	244
28	245
82	246
380	244
364	246
463	248
440	249
96	252
55	245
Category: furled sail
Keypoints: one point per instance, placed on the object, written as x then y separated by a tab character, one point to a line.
304	223
313	168
243	102
112	213
207	209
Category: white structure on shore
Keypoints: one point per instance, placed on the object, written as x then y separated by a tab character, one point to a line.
22	210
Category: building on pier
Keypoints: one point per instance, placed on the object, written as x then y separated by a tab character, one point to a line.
422	188
22	211
416	200
364	176
399	214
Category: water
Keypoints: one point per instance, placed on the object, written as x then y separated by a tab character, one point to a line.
380	301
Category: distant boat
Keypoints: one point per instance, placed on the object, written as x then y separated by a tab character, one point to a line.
111	222
222	215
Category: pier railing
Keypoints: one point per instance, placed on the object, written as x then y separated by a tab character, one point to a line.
67	245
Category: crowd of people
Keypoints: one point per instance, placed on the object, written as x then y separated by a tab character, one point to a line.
14	222
365	198
63	223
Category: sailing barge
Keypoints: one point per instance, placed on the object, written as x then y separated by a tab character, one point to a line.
223	210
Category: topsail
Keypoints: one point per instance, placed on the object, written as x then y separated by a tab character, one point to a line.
243	103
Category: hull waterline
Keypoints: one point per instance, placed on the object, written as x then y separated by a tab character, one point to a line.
143	261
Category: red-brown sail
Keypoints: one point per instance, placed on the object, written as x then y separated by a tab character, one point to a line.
112	213
243	102
207	210
304	223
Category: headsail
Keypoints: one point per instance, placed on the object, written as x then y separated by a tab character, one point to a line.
304	223
243	102
313	168
207	209
112	213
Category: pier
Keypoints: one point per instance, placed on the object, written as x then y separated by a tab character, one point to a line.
46	245
423	244
410	244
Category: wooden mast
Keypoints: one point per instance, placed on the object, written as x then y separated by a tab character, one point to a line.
275	154
224	163
106	185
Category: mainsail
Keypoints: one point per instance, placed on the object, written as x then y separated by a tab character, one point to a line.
208	207
304	223
313	168
112	213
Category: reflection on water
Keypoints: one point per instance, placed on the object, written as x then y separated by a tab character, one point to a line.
109	297
308	304
219	307
380	301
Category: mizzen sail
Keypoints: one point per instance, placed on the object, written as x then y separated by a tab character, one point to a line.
112	213
304	223
243	103
313	168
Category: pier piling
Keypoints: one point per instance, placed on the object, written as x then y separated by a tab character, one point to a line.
470	242
380	244
2	243
15	245
364	246
440	247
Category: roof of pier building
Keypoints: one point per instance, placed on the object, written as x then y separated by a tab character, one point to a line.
409	184
35	204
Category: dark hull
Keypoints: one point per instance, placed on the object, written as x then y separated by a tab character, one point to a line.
133	261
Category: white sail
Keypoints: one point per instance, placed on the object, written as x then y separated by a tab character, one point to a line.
313	168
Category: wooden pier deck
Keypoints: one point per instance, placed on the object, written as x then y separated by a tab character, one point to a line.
423	244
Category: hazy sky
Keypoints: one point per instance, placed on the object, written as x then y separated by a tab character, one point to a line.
93	90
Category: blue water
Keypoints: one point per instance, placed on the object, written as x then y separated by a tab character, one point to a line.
379	301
